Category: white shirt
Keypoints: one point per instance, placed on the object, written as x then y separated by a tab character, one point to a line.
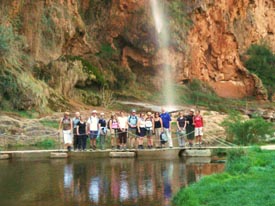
93	122
122	121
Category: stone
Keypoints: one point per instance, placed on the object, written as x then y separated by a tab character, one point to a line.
197	153
4	156
198	160
57	155
122	154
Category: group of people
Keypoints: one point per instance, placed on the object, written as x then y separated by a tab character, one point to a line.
130	130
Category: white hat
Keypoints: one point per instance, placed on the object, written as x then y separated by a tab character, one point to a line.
94	111
102	113
133	110
192	110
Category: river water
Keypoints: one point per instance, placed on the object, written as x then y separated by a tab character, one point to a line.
101	181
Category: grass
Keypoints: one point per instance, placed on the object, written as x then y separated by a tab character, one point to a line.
247	181
50	123
45	144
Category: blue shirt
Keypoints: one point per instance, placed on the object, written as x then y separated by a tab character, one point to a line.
165	120
75	121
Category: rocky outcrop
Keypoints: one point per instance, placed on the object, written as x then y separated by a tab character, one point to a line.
15	131
220	33
209	48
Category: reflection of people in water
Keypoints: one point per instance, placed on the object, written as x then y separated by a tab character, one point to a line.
191	174
80	178
94	189
68	176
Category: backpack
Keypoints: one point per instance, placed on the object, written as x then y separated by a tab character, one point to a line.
163	138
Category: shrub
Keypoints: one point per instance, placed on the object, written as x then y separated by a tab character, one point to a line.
89	69
11	45
261	61
50	123
246	132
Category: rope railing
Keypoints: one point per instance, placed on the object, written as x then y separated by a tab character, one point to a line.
210	137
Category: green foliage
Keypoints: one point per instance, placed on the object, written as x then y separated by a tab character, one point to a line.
177	11
179	23
106	51
46	144
11	45
123	77
50	123
262	62
246	132
92	71
8	88
248	180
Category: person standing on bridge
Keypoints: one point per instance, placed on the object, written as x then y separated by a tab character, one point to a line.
81	131
76	120
198	123
166	121
158	128
190	127
66	125
123	125
181	126
94	127
103	130
132	128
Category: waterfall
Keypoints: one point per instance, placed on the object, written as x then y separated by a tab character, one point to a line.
162	35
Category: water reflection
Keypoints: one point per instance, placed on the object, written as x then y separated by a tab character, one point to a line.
130	181
99	182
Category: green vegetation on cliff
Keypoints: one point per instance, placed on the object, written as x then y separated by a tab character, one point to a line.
247	180
261	61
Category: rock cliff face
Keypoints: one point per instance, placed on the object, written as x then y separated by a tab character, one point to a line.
118	37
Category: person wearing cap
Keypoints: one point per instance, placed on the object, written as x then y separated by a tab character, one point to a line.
149	126
66	125
122	131
166	121
190	127
132	128
94	127
103	130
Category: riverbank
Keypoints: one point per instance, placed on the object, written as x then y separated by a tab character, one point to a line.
248	180
24	131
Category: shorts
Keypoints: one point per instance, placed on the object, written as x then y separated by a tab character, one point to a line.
93	134
142	132
68	138
114	132
198	131
149	132
132	132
